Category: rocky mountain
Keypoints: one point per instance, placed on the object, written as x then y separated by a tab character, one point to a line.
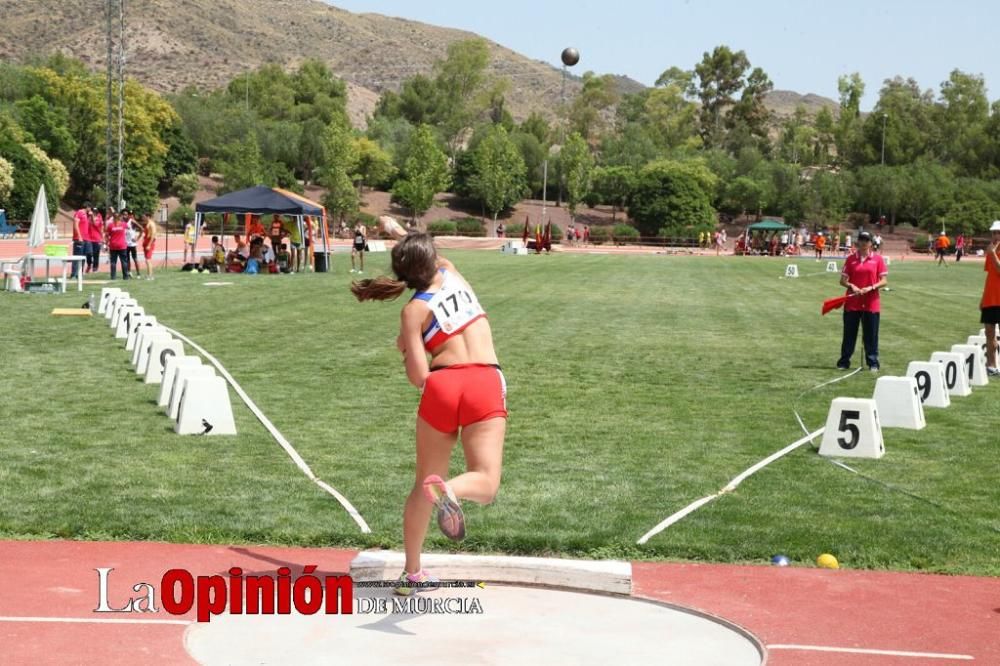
173	44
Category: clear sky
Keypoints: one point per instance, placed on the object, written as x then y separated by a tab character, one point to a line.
803	46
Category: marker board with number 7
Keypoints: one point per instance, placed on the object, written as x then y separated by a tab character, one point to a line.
852	430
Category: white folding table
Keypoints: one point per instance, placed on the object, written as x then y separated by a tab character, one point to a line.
31	259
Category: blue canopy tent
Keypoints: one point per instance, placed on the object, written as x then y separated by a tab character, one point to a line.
260	200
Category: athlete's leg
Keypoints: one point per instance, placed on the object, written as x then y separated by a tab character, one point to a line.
433	453
483	446
991	345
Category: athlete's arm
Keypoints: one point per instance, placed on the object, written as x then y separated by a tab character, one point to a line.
412	343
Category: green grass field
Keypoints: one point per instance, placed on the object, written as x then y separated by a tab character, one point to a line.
637	384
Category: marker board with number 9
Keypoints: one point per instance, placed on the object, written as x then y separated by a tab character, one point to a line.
852	430
930	383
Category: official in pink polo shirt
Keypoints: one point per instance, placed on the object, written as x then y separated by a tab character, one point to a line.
118	244
81	235
96	239
864	274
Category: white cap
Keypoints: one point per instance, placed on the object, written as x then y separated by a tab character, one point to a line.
995	226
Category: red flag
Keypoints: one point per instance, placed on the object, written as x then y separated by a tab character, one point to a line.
524	238
538	239
833	303
548	236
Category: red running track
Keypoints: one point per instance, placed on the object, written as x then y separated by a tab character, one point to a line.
912	613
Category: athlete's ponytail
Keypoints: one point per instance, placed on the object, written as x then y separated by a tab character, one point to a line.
382	288
414	261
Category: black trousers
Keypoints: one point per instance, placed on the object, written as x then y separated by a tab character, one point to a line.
868	321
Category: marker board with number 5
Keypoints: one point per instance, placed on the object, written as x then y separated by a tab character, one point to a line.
852	430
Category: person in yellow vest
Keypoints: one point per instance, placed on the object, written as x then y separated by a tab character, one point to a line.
189	239
295	238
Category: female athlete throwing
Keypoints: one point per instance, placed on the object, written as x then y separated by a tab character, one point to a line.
463	390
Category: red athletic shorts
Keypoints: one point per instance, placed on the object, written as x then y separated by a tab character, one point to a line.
460	395
148	249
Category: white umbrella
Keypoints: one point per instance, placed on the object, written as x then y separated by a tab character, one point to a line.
39	220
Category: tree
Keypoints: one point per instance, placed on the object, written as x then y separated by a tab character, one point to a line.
719	78
342	197
461	76
633	147
672	120
29	173
750	113
184	187
825	136
586	111
909	126
880	191
960	118
576	165
340	152
614	185
927	193
797	138
537	126
848	131
976	205
674	196
534	155
747	194
6	179
374	166
181	157
242	165
499	180
828	198
424	174
48	125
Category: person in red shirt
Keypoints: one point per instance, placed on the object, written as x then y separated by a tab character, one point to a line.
81	234
117	244
989	305
96	239
864	274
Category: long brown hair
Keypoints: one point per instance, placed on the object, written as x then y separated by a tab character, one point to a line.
414	261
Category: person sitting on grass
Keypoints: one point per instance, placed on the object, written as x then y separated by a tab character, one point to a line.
238	256
255	263
215	262
284	259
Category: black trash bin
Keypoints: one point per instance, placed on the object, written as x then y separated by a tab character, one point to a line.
322	261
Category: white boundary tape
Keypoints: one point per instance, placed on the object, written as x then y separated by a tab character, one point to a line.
289	449
884	653
729	487
737	480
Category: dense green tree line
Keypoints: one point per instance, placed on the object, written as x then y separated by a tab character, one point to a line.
699	143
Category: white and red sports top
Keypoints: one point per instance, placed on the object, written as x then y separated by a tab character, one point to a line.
453	307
